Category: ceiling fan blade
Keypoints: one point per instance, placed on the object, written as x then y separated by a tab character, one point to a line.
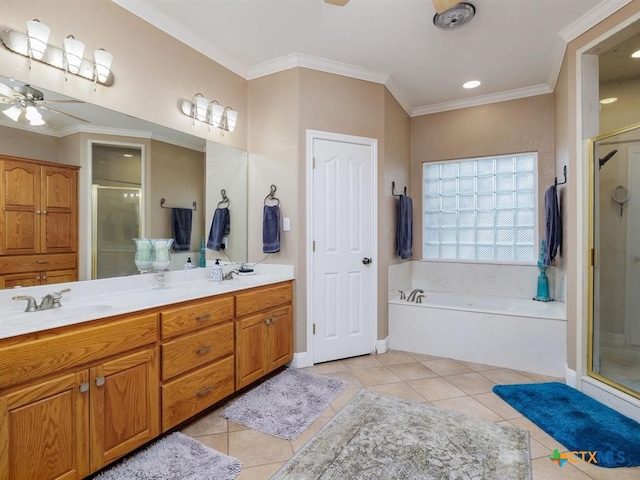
339	3
62	113
444	5
7	91
40	102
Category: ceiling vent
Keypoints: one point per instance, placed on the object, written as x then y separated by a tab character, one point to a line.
455	17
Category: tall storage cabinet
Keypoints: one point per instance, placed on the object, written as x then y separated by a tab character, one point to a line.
38	222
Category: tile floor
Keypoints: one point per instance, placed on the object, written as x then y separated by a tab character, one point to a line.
441	382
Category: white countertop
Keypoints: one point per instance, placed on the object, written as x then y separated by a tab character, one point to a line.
94	299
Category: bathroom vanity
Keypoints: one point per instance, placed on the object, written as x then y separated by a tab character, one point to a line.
80	390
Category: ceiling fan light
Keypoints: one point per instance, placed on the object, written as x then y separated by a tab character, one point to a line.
73	50
13	113
103	60
229	119
32	114
215	114
37	38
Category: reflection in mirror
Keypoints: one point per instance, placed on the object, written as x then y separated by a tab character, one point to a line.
615	327
176	166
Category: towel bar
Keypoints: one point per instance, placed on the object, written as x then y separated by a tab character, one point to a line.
162	200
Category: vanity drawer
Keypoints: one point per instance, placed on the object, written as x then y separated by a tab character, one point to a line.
195	315
49	353
196	349
190	394
263	299
36	263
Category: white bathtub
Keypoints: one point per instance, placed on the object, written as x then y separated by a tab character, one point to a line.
515	333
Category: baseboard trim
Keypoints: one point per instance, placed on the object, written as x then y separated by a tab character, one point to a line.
570	377
301	360
382	346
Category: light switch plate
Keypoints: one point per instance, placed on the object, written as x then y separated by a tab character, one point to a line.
286	224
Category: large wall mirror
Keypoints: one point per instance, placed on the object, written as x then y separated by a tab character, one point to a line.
120	155
614	303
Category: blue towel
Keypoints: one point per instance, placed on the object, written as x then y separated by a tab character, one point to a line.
181	228
404	228
220	227
271	229
553	225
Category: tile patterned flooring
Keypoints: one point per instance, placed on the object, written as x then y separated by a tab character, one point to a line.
461	386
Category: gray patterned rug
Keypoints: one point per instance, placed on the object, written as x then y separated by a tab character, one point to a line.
175	457
376	437
285	405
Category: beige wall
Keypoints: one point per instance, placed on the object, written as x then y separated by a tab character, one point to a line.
524	125
283	107
21	143
575	207
153	71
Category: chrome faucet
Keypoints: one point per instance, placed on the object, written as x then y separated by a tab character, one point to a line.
50	300
412	295
229	274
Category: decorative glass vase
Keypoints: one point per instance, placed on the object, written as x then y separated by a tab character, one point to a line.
161	258
144	254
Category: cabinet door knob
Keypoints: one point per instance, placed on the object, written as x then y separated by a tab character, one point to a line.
100	381
203	350
84	387
204	391
268	320
37	212
44	212
206	316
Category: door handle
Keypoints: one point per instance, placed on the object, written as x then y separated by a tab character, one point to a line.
367	260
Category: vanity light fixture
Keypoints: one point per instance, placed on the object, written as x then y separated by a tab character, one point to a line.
72	51
68	57
210	112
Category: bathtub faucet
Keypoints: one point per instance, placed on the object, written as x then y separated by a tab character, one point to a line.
412	295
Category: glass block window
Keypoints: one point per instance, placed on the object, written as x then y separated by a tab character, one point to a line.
481	209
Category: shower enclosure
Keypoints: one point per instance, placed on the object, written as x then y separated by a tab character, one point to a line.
614	276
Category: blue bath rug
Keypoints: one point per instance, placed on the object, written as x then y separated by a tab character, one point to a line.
577	421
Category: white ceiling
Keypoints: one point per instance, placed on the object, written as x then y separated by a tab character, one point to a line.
515	47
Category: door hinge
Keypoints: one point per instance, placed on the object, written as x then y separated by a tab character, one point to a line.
313	163
314	245
314	328
593	257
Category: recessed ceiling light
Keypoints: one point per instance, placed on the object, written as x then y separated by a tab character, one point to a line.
636	54
606	101
471	84
128	155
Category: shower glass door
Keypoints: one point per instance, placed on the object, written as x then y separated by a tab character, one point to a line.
614	276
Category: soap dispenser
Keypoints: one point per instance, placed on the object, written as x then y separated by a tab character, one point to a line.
188	265
216	272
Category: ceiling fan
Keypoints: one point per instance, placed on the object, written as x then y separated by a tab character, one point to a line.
25	103
441	6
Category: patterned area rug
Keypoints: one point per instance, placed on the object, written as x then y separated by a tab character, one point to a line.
175	457
379	437
285	405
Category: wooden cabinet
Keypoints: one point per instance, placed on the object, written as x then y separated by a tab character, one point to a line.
68	425
38	221
264	339
197	357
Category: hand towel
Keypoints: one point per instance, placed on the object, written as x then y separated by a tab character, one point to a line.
271	229
404	227
181	219
553	225
220	226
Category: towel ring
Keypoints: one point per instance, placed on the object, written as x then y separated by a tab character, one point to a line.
272	196
225	199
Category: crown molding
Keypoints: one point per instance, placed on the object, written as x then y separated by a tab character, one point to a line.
398	94
483	100
591	18
149	14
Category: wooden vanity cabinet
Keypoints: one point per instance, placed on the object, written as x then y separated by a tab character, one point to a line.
91	396
197	350
264	331
38	222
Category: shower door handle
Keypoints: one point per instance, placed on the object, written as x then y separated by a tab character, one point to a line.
367	260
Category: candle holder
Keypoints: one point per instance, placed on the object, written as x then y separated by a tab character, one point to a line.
161	258
542	294
144	254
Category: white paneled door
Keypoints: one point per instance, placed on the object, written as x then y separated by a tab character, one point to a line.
343	274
